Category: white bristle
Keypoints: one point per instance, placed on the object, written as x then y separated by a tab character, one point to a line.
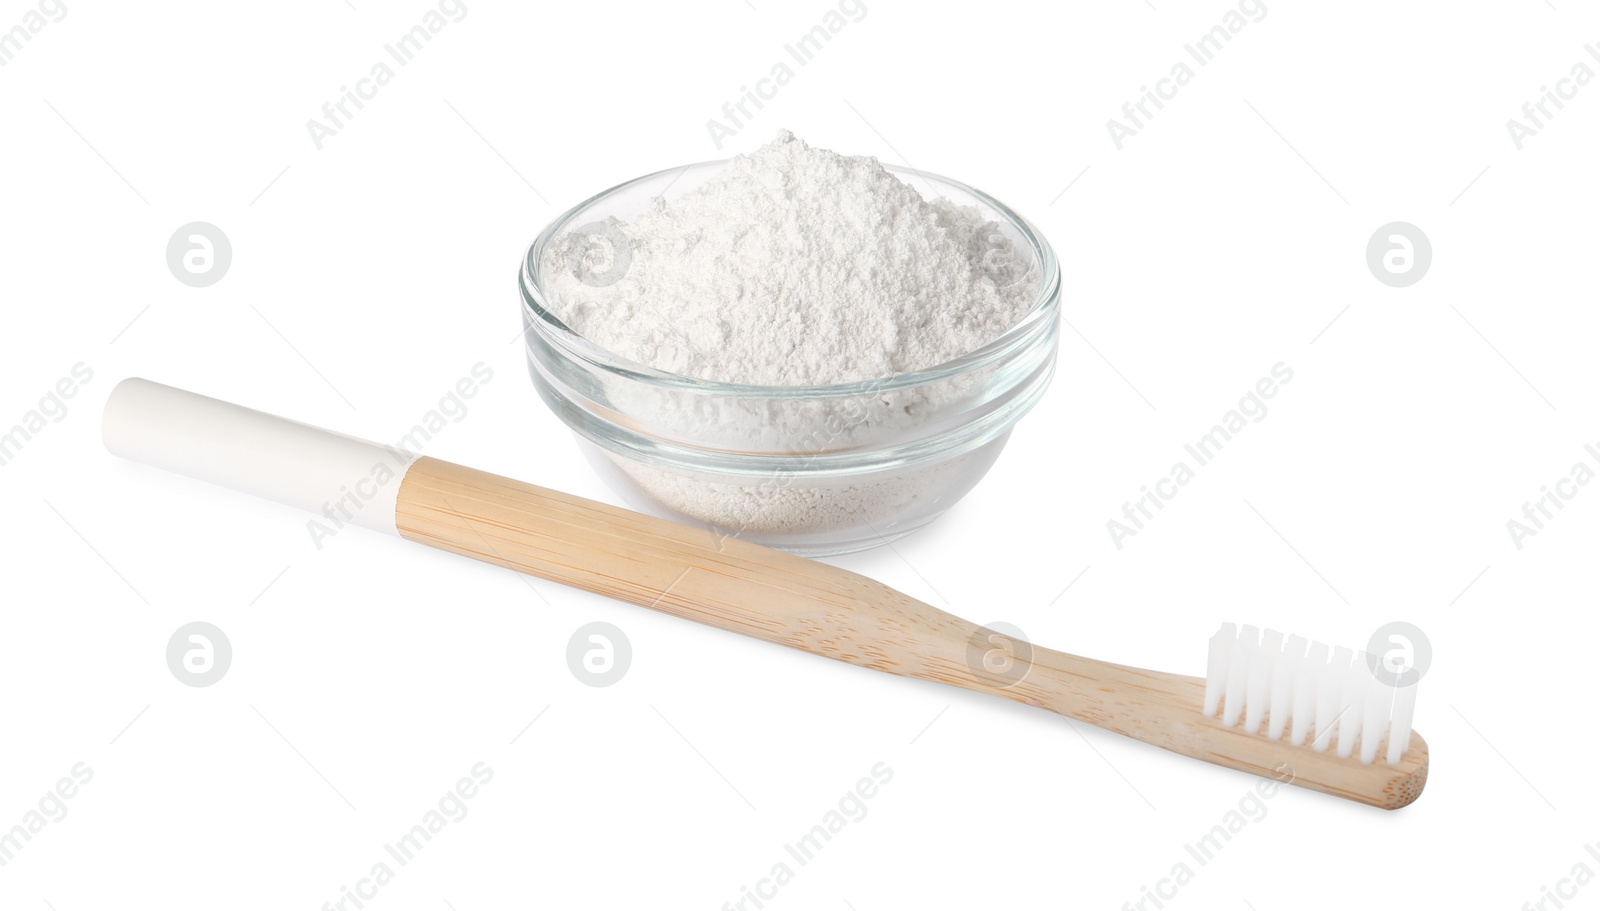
1258	686
1331	697
1374	713
1283	665
1405	703
1238	667
1305	689
1327	699
1350	701
1217	667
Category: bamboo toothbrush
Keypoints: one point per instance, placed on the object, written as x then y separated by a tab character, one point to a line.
1276	707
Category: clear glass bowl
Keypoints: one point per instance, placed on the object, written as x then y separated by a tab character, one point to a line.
815	470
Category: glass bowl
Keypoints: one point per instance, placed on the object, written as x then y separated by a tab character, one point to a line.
815	470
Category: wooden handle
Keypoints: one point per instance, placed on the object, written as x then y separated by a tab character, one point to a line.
746	588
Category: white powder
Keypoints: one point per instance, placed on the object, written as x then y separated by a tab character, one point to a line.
795	266
798	266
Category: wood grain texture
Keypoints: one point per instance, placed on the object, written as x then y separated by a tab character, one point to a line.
767	594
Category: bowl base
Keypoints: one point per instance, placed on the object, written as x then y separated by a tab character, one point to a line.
835	523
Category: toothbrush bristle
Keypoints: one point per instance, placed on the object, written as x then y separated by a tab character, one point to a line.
1332	698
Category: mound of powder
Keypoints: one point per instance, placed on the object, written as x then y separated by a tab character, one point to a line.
794	266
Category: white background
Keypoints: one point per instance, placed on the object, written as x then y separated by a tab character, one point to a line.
369	276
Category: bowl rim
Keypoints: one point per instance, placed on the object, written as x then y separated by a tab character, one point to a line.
553	330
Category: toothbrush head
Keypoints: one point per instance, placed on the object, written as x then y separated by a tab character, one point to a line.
1288	688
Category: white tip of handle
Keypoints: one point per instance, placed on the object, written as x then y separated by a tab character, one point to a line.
350	481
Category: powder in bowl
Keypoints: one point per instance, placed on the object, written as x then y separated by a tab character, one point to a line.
793	266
